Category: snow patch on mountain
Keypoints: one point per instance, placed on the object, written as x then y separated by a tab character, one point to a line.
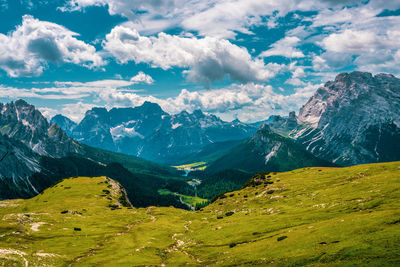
176	125
273	152
121	131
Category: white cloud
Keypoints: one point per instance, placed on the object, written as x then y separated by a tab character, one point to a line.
46	93
353	41
66	90
76	111
73	111
141	77
369	44
217	18
27	50
48	112
207	59
285	47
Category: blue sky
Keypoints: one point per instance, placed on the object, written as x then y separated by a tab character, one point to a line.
245	59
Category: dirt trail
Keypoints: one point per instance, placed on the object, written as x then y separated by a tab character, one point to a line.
5	252
179	245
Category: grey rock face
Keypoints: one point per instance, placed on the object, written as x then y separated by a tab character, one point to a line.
25	136
22	122
353	119
18	162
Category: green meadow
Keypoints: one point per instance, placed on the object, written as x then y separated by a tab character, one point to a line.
311	216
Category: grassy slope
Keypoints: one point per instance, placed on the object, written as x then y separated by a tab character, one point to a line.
247	156
330	216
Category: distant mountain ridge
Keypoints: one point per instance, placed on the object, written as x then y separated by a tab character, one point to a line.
149	132
65	123
352	120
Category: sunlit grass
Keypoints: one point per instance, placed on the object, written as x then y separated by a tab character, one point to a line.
196	166
312	216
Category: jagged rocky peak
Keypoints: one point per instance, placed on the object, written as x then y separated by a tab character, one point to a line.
349	89
291	122
22	112
198	114
150	107
264	128
351	120
22	122
283	125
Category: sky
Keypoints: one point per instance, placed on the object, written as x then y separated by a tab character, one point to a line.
238	59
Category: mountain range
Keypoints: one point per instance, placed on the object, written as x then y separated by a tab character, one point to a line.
147	131
351	120
36	154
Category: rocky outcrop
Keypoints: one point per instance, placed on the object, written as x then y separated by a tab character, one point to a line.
21	122
353	119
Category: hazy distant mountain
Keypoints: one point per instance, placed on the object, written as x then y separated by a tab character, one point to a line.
270	120
353	119
65	123
149	132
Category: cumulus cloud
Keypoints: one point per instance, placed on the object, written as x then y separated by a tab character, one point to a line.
48	112
141	77
370	44
27	50
76	111
353	41
207	59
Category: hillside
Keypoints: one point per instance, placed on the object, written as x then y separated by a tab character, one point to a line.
311	216
266	151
